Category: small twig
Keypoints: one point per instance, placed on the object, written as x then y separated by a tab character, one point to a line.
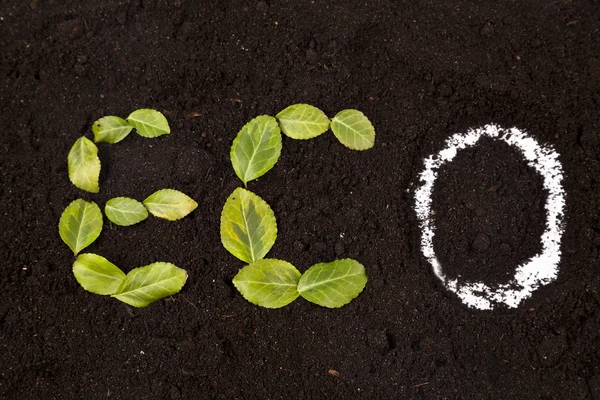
191	304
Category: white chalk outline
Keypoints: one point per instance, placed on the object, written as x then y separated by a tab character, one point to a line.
537	271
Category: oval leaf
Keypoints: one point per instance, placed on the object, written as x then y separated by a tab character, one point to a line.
248	226
84	165
125	211
110	129
80	224
170	204
145	285
333	284
302	121
149	123
268	283
256	148
353	130
96	274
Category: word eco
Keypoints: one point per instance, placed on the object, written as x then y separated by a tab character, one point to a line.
248	226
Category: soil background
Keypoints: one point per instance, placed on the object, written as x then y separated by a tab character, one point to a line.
421	71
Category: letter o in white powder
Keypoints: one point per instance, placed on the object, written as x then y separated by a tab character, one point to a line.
537	271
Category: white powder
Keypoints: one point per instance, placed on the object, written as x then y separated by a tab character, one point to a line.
540	269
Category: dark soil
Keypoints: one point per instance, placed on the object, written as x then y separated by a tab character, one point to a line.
420	71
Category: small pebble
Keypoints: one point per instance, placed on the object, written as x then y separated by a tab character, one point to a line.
175	393
339	249
79	69
481	242
299	246
444	89
278	84
312	57
262	6
122	17
377	341
71	29
296	204
319	247
505	248
192	103
487	30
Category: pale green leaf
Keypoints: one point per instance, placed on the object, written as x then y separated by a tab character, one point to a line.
125	211
248	227
170	204
149	123
302	121
145	285
256	148
268	283
80	224
353	130
96	274
110	129
84	165
333	284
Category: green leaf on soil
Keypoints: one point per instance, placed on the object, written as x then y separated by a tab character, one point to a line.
333	284
268	283
149	123
170	204
256	148
84	165
302	121
125	211
145	285
248	226
110	129
353	129
96	274
80	224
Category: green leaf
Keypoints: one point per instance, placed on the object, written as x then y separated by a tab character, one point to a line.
256	148
333	284
80	224
125	211
84	165
149	123
145	285
170	204
248	227
110	129
268	283
353	130
302	121
96	274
